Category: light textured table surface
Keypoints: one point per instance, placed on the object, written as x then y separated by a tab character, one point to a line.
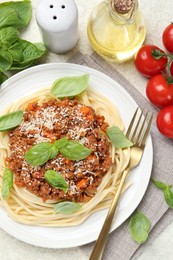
158	15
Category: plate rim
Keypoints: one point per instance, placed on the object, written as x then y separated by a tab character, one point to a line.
36	68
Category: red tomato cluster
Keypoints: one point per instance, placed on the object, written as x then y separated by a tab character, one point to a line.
154	63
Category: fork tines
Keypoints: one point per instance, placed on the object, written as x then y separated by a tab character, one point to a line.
139	127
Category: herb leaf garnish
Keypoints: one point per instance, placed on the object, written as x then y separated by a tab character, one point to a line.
139	227
7	183
168	193
67	207
61	142
10	120
56	180
40	154
75	151
117	137
69	86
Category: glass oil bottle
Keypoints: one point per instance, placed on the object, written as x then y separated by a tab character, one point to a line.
116	29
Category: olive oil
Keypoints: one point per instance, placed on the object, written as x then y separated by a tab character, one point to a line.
116	34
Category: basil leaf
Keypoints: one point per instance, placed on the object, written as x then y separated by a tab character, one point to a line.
168	195
61	142
117	138
39	154
139	227
7	183
40	47
8	36
3	77
75	151
16	64
159	184
16	14
56	180
5	60
30	52
16	55
67	207
53	152
69	86
11	120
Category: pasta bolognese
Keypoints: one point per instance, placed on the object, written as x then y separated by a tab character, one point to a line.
91	182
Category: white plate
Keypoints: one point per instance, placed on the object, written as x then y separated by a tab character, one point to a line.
31	80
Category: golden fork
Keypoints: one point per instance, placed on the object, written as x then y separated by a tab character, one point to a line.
137	132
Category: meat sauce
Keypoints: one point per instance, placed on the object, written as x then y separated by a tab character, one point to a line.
48	122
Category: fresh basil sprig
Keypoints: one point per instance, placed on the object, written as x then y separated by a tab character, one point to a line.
168	193
7	183
69	86
42	152
67	207
16	53
56	180
139	227
11	120
117	137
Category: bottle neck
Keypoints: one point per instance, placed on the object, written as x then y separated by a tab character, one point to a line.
123	12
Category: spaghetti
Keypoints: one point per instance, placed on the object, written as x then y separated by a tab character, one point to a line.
27	208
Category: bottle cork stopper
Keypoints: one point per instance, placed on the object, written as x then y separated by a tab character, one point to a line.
122	6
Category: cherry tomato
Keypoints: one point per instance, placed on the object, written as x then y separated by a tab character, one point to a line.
165	121
167	38
159	91
146	64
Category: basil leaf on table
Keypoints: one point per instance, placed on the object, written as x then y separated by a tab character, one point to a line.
18	66
30	53
3	77
67	207
8	35
56	180
11	120
139	227
5	60
39	154
69	86
75	151
117	137
168	195
159	184
7	183
16	14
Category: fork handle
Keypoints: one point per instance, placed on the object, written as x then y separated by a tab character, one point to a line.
102	239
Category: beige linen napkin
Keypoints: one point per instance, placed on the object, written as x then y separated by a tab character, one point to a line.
120	245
